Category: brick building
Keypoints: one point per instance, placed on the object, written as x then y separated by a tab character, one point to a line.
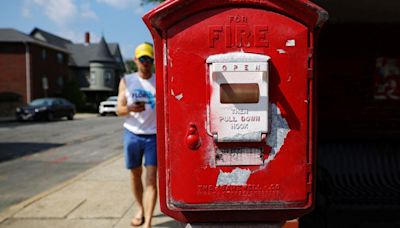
40	64
29	68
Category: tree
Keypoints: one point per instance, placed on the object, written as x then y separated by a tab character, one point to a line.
130	66
73	93
144	2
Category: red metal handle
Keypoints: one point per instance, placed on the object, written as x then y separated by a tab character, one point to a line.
193	138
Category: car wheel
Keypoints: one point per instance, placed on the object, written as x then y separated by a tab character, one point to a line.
50	116
70	116
102	114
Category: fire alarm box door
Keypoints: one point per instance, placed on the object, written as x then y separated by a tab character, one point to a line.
238	110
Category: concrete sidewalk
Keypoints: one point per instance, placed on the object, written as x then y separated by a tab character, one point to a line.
99	197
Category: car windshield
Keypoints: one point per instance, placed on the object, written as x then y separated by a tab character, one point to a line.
112	99
40	102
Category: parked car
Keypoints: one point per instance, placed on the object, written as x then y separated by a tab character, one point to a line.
46	109
108	106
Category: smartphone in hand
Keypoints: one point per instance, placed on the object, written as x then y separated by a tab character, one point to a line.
140	103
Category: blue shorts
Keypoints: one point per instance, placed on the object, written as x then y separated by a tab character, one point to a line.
137	146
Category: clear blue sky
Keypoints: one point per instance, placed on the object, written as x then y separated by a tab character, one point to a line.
119	20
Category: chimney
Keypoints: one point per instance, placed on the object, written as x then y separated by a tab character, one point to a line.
87	38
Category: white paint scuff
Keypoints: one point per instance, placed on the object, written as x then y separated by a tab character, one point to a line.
276	138
237	177
179	96
281	51
165	54
290	43
279	131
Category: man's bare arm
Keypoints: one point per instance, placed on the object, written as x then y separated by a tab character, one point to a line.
122	108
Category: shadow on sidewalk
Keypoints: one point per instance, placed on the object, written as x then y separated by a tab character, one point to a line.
10	151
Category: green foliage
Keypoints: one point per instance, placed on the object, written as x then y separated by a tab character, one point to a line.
130	66
144	2
73	93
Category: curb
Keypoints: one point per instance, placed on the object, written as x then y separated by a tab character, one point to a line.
6	119
10	211
85	115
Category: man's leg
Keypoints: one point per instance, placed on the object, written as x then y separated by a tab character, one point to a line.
137	190
150	194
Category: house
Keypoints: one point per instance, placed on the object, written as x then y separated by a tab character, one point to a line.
40	64
96	66
29	69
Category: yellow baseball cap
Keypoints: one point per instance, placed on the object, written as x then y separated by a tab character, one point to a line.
144	49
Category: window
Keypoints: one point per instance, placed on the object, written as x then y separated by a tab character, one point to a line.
44	54
45	83
108	78
92	77
60	57
57	102
239	93
60	81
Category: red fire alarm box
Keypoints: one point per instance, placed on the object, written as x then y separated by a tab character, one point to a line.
235	108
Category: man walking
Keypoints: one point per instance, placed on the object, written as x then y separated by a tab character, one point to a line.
136	101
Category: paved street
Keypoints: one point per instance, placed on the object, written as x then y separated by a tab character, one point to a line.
35	156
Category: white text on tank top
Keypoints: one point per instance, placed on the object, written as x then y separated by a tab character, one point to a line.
141	90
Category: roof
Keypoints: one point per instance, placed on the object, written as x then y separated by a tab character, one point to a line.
102	53
49	38
10	35
82	54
